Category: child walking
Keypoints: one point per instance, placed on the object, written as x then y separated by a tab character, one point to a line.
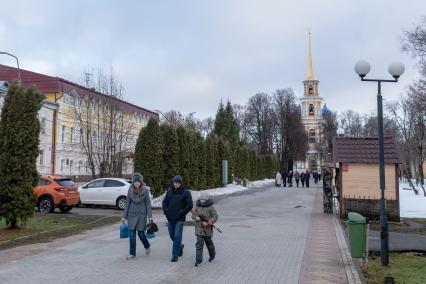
204	214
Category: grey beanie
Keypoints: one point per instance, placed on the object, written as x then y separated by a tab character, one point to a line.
137	177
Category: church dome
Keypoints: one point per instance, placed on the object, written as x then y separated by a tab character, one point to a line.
325	110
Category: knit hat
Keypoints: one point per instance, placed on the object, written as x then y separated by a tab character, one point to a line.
137	177
177	179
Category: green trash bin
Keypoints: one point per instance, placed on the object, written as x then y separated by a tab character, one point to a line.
356	227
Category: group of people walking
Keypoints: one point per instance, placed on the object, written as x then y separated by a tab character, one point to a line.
177	203
286	179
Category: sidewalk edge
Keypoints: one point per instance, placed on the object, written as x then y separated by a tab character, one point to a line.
351	271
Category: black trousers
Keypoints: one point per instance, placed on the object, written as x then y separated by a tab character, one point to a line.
200	246
297	182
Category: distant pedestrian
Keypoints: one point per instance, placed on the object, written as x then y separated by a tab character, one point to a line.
290	179
307	178
138	208
278	179
204	214
176	204
297	178
284	176
302	179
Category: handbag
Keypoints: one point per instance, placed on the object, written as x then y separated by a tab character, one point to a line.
124	230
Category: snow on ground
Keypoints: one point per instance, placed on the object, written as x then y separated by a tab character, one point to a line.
221	191
411	205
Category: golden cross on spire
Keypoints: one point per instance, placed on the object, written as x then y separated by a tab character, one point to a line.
310	68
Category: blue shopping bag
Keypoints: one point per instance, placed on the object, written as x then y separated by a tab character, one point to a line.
124	230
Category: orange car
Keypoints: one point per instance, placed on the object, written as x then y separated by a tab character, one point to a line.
56	191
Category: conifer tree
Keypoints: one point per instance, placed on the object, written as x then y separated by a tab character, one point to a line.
193	170
201	155
170	154
184	159
212	174
19	142
148	156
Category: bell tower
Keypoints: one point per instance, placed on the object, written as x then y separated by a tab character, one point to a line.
311	112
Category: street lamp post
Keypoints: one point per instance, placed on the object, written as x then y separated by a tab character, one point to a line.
17	63
395	69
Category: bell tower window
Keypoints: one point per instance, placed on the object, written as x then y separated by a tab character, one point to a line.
311	135
310	89
311	109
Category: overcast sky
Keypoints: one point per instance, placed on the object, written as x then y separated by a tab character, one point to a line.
187	55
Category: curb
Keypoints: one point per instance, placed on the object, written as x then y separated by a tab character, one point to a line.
351	271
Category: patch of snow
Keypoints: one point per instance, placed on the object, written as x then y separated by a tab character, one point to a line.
220	191
411	205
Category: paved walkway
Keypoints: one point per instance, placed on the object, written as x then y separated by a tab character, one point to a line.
326	258
398	242
263	241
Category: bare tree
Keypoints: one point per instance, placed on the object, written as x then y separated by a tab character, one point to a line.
329	132
414	42
240	112
290	135
351	123
106	129
259	118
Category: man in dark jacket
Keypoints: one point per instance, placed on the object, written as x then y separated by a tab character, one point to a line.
176	204
307	178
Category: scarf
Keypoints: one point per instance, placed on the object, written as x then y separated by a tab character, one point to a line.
137	194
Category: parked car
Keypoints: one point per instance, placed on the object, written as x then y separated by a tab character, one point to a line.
105	191
56	191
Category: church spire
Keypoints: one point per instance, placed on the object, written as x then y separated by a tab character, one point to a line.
310	69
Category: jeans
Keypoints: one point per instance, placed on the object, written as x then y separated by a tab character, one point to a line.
200	246
175	233
132	240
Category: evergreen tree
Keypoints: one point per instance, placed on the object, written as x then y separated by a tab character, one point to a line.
184	159
226	125
19	141
148	156
245	163
170	154
201	155
212	174
193	170
253	164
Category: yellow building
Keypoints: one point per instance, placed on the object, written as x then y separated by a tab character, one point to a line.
83	115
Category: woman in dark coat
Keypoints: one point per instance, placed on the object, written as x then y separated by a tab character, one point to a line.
302	179
138	208
297	178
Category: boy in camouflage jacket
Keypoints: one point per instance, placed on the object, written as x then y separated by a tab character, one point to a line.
204	210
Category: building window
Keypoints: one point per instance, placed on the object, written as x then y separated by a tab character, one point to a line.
311	135
310	89
71	135
43	125
69	99
63	134
311	109
41	157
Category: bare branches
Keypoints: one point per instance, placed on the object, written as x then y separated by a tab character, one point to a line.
106	130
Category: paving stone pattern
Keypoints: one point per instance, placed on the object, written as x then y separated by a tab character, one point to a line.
263	241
